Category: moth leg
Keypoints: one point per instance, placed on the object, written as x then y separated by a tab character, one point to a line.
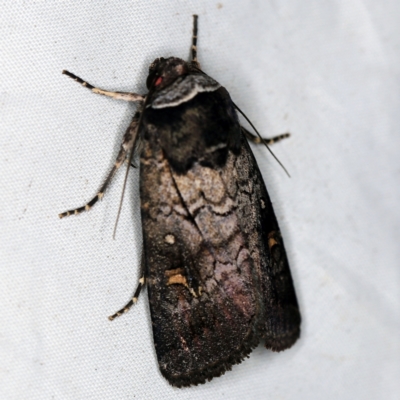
194	61
126	147
115	95
256	139
134	299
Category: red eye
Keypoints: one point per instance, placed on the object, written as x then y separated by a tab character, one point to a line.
158	81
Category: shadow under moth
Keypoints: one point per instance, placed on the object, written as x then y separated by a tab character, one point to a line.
213	258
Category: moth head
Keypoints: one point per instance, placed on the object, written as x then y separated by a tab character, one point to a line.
164	71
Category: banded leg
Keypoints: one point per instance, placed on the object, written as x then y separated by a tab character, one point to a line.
126	147
257	140
194	61
134	299
115	95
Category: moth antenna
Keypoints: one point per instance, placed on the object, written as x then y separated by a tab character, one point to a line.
134	145
123	191
194	40
262	139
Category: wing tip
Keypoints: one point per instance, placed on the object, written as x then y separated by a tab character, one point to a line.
201	376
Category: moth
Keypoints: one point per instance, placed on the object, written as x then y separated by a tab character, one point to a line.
213	258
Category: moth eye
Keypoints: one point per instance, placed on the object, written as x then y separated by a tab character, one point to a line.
158	81
153	77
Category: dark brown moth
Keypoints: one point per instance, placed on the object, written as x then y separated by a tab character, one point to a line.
213	257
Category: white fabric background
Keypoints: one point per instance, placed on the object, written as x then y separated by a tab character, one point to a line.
328	72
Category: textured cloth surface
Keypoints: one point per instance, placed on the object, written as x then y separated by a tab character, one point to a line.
328	72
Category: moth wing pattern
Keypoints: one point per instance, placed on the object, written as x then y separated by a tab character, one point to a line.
206	238
282	316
